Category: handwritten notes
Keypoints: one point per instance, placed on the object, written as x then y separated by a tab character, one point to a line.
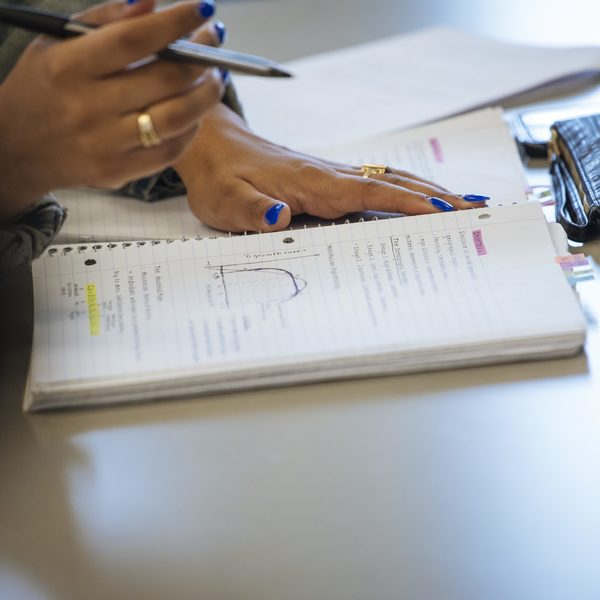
332	292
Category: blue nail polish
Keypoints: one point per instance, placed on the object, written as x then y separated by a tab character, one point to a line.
272	214
225	76
131	1
475	198
221	31
206	8
441	204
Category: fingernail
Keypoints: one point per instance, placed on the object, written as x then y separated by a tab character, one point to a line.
225	76
272	214
441	204
131	1
221	31
475	198
206	8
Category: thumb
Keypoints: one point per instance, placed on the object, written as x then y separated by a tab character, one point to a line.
245	209
108	12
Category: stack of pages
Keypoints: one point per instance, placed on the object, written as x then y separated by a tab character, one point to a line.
143	302
399	82
143	321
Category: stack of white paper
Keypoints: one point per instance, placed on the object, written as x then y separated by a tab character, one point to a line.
400	82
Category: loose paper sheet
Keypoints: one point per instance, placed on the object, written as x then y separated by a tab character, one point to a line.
399	82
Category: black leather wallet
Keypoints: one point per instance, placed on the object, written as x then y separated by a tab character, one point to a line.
574	151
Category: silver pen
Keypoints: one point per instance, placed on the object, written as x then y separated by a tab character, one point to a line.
62	26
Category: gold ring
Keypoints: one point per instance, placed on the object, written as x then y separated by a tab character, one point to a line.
148	135
367	170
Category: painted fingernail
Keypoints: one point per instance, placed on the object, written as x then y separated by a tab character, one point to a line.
221	31
225	76
441	204
206	8
131	1
475	198
272	214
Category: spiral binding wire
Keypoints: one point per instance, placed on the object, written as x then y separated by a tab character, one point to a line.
96	247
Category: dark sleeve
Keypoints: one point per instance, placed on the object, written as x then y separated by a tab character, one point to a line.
26	236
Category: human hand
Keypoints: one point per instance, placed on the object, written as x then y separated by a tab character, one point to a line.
237	181
69	109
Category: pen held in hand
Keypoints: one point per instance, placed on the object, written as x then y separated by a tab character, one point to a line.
61	26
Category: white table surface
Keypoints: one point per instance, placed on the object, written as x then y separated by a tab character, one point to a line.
479	483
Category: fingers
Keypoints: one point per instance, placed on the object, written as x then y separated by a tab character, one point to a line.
176	115
112	47
345	194
107	12
141	161
397	194
411	183
210	34
415	184
406	183
398	177
158	80
157	157
428	182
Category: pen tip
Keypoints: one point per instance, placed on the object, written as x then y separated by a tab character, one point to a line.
281	73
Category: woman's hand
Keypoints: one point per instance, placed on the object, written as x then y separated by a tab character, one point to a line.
237	181
69	109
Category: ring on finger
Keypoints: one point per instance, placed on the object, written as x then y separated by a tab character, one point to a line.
148	135
367	170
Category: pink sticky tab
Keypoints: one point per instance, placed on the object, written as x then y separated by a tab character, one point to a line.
436	147
478	241
572	260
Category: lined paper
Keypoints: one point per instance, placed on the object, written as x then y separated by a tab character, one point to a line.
469	278
103	216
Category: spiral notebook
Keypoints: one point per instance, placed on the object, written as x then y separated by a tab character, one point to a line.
150	320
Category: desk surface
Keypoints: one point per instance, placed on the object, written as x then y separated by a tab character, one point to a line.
471	484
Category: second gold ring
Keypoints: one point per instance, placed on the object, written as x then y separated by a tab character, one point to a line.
374	169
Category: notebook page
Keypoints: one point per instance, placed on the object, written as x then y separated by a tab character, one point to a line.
102	216
473	153
447	280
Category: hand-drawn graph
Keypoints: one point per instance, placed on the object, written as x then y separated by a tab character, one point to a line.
241	286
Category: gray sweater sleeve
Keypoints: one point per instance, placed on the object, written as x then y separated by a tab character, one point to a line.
27	235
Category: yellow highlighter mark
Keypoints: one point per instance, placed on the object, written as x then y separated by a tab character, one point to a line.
93	309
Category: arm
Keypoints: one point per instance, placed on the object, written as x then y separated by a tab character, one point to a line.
69	110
